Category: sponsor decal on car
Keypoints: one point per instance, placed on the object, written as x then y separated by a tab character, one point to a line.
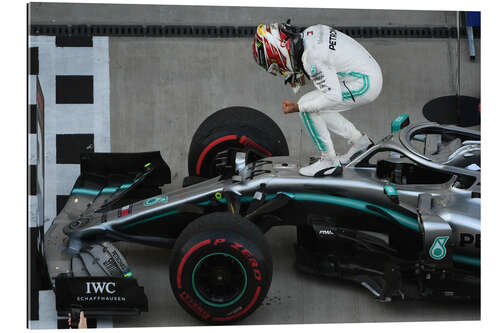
124	211
100	291
469	240
438	249
99	287
155	200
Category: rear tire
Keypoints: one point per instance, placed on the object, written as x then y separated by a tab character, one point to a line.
221	268
233	127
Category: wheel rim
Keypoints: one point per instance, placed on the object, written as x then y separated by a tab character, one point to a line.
219	279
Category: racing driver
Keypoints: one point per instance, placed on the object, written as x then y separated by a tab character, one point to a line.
345	76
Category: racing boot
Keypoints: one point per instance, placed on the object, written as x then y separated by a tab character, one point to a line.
325	166
359	146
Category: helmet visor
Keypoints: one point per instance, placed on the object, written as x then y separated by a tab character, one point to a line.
261	56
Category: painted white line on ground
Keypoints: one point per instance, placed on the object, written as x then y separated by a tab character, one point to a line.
33	211
47	311
32	149
66	177
70	118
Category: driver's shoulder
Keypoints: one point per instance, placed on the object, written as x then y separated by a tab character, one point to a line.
315	56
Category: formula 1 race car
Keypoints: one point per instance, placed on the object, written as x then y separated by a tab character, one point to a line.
402	219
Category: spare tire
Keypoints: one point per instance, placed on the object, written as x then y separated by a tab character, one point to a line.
233	127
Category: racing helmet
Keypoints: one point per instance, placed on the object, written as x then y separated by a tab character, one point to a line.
273	49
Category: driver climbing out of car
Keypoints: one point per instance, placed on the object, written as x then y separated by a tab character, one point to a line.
345	76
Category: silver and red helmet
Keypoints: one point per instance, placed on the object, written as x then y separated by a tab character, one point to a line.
272	49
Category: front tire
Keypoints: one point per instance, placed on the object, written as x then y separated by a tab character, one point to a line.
221	268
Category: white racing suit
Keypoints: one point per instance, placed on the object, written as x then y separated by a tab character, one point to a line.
345	75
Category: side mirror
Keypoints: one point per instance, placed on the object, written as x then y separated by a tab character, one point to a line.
400	122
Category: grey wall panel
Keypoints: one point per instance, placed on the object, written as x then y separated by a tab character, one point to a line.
66	13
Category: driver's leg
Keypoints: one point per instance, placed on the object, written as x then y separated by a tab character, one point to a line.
339	125
317	128
318	131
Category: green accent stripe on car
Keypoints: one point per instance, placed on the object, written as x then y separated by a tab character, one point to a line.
172	212
215	304
306	123
402	219
109	190
466	260
87	191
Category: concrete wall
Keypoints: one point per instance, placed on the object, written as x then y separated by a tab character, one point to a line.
74	13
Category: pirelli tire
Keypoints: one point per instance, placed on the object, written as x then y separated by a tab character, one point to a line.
221	268
233	127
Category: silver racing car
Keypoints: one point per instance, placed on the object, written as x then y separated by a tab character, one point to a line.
402	220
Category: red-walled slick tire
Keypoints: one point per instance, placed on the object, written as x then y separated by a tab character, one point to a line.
233	127
220	268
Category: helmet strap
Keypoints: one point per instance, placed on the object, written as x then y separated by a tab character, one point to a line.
296	50
296	45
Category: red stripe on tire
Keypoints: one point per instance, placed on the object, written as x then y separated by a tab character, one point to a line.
248	307
186	256
246	141
209	147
